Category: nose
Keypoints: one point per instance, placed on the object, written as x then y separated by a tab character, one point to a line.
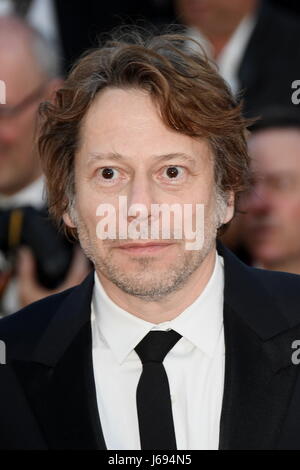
140	197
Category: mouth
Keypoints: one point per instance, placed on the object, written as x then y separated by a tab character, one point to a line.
144	248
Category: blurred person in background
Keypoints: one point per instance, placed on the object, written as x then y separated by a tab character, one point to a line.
270	226
57	20
30	70
254	43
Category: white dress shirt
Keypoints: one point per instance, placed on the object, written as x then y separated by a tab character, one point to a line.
231	56
195	367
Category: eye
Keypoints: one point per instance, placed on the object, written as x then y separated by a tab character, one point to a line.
108	173
174	172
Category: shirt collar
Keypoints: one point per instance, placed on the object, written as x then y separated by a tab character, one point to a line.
32	195
200	323
232	54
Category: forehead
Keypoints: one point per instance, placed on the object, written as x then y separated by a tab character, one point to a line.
19	69
275	150
128	122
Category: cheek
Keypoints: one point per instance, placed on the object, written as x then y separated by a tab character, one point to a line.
289	209
211	200
289	216
27	124
86	204
202	190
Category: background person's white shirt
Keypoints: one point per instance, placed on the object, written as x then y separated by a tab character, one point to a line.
41	15
230	58
195	367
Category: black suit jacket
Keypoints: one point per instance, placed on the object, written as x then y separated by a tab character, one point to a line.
47	391
93	18
269	65
271	62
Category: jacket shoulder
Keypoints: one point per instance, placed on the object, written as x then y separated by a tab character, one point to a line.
284	289
22	330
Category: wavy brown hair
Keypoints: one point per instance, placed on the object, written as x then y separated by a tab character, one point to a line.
192	97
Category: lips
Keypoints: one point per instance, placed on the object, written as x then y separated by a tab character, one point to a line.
150	247
140	244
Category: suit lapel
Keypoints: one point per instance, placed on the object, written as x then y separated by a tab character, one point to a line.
259	374
58	377
256	396
59	380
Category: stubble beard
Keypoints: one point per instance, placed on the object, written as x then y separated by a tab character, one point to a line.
149	281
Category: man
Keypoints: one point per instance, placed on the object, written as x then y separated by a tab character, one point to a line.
30	70
164	345
58	20
270	224
242	37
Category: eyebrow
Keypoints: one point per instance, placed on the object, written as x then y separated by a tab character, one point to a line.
92	157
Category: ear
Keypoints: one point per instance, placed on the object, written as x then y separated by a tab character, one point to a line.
230	207
68	221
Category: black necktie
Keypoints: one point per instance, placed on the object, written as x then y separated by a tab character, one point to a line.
153	392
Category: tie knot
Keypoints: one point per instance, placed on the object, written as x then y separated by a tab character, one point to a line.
156	344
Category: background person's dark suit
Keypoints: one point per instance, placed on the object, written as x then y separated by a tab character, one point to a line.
47	393
271	61
81	23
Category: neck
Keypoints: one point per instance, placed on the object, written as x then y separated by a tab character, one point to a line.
220	34
16	189
171	306
218	43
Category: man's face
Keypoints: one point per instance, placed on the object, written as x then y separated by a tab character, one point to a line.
272	222
126	150
18	161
